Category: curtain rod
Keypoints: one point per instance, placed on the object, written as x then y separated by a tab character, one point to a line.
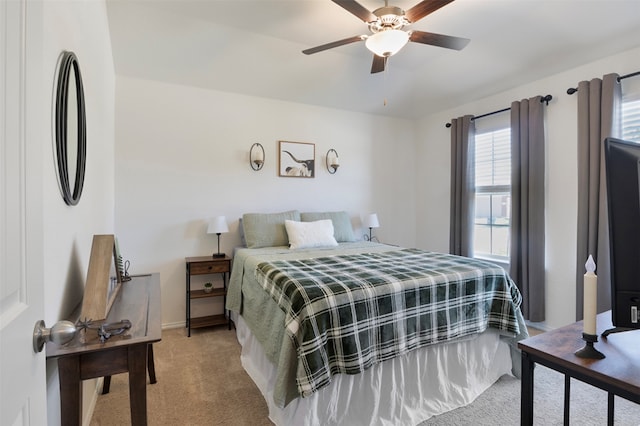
572	90
544	99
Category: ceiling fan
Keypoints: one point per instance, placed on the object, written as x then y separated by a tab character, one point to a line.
388	37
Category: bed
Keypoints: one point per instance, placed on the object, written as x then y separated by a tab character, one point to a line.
336	331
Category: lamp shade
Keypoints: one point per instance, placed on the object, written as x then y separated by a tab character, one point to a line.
218	225
387	43
371	221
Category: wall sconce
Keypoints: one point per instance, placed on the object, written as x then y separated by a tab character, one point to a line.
256	156
332	161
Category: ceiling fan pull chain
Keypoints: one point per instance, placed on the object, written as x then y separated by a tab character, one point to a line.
384	82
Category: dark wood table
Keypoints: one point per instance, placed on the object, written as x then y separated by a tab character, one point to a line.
617	374
85	357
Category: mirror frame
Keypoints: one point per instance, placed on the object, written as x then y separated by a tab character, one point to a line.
68	62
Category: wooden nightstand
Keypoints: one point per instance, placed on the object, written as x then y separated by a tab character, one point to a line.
204	265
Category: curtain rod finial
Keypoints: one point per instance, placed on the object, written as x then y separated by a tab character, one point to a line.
571	90
447	125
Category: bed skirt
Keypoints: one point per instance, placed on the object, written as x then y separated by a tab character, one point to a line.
403	391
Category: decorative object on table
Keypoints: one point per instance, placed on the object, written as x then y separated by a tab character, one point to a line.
332	161
296	159
208	287
103	280
106	329
122	267
70	120
218	226
589	333
370	221
256	156
126	276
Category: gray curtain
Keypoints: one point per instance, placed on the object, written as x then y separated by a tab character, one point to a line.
598	117
527	205
462	186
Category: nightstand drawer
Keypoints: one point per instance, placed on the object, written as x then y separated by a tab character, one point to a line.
209	267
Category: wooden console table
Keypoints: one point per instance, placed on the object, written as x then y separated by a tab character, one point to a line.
85	357
617	374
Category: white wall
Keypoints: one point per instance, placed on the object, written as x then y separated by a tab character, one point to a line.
81	27
561	175
182	158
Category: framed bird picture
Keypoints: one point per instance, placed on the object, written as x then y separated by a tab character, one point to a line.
296	159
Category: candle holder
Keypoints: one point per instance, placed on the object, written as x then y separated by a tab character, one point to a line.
588	351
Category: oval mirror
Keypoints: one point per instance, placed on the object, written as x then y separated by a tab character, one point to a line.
70	123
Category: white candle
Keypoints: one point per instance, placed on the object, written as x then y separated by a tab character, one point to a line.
259	154
590	297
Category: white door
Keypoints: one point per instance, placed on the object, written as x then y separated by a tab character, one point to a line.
22	371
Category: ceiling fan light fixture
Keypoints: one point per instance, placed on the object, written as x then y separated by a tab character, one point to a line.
387	43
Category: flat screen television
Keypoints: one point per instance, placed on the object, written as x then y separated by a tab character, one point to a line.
622	168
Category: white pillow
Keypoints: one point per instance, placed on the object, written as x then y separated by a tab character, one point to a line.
310	234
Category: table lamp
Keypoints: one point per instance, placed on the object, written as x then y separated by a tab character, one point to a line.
371	221
218	226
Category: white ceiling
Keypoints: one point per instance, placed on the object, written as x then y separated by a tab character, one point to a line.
254	48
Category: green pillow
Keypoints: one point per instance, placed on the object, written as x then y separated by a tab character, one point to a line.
342	229
267	229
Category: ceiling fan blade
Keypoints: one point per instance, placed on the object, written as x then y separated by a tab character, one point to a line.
379	64
424	8
357	9
439	40
333	44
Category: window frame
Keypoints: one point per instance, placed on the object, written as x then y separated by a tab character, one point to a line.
498	190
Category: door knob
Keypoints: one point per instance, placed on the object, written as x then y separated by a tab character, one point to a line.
62	332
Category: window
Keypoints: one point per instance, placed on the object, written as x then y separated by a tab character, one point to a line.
493	194
631	118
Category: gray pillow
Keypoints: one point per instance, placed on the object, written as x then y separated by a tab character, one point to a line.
267	229
243	241
342	229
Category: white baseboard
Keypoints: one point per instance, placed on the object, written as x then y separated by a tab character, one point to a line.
539	325
170	325
88	411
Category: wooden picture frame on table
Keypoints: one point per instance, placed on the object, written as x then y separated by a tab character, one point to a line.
104	279
296	159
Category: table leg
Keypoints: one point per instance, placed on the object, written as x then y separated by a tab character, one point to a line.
188	302
151	364
567	398
610	410
526	391
224	280
137	355
70	390
106	385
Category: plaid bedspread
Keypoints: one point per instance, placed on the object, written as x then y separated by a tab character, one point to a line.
347	313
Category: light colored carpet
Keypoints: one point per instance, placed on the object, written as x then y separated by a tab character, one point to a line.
500	405
201	382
